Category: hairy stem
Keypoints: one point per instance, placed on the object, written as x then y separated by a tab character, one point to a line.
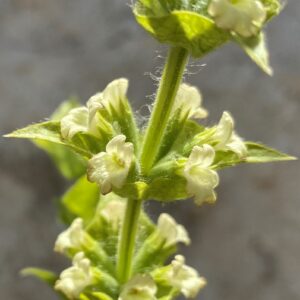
127	240
168	87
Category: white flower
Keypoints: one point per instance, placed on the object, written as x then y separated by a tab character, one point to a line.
201	179
184	278
140	287
113	213
171	232
76	120
111	98
244	17
226	138
86	119
72	238
75	279
189	100
111	168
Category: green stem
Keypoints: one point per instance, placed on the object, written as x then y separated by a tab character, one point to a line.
127	240
169	84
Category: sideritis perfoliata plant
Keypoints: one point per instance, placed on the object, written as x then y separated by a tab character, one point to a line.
117	252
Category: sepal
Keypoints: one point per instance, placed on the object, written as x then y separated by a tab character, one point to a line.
192	31
256	48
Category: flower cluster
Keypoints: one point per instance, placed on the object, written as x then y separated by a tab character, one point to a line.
84	277
111	168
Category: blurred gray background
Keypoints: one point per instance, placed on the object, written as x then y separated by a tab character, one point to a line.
248	244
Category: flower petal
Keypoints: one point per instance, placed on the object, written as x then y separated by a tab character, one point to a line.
245	17
75	279
111	168
171	232
140	287
188	100
75	121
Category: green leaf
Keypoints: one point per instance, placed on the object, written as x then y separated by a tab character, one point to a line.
186	29
258	153
224	159
87	143
256	49
42	274
70	164
80	201
46	131
47	137
82	143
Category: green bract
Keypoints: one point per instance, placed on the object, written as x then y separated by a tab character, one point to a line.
188	24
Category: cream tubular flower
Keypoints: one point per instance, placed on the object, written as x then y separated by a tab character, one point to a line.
140	287
171	232
75	279
111	98
113	213
189	100
184	278
71	238
86	119
75	121
226	138
201	179
244	17
111	168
